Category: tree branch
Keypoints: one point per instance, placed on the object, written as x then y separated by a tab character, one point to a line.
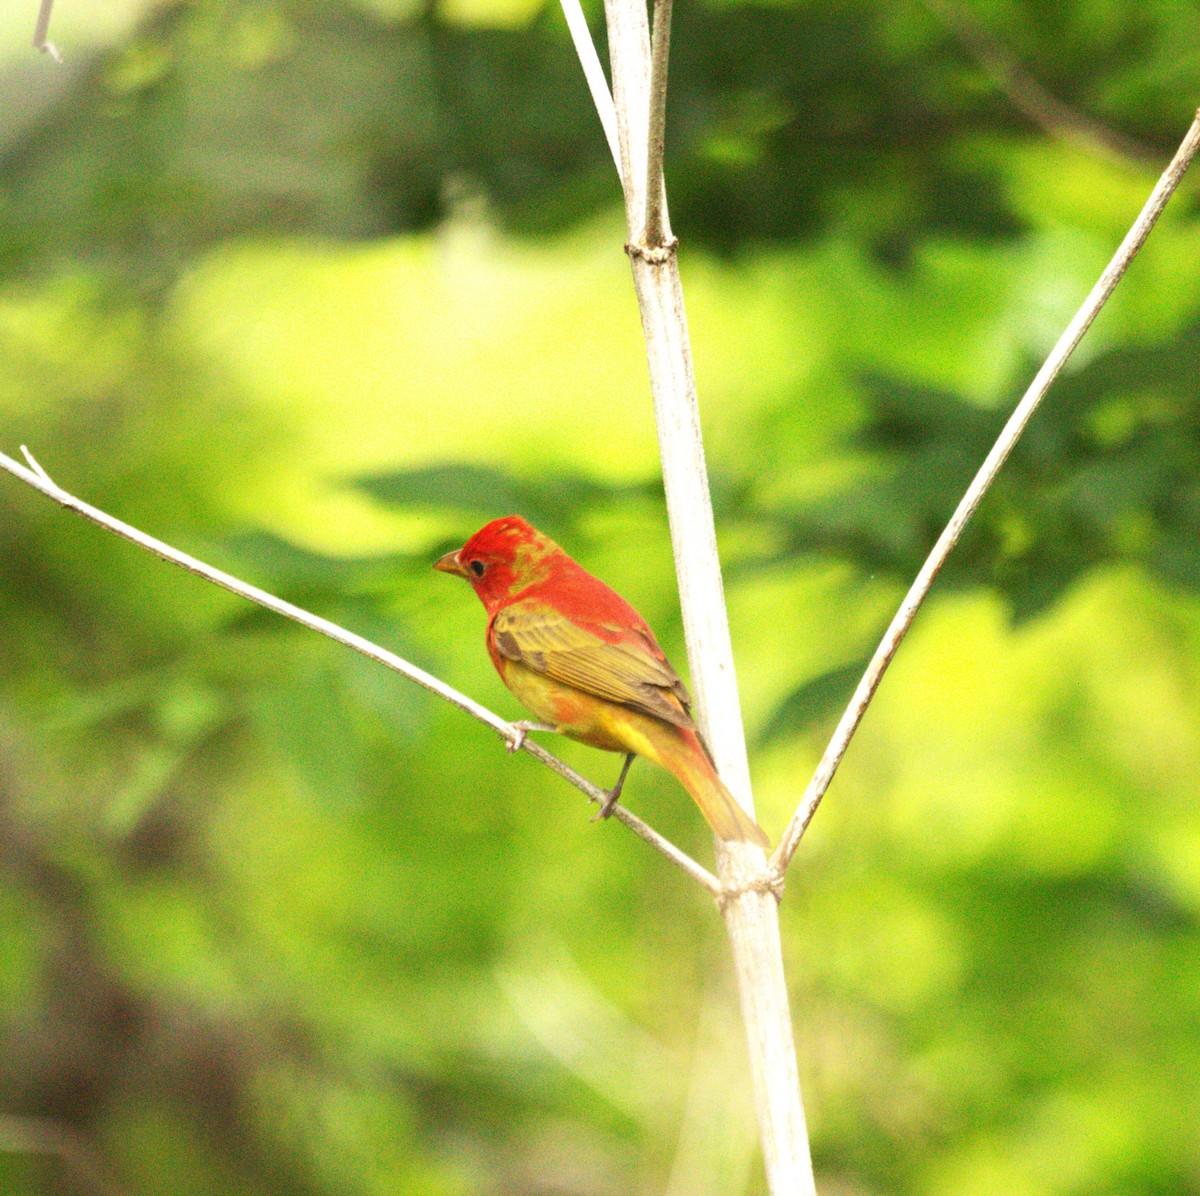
750	907
1020	417
42	29
656	234
593	72
1028	95
36	477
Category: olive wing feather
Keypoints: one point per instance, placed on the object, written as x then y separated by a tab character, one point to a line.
632	672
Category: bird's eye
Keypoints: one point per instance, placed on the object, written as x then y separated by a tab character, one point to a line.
478	568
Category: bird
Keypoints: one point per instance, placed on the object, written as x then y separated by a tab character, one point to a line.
586	665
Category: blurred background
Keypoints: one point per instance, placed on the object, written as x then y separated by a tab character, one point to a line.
314	288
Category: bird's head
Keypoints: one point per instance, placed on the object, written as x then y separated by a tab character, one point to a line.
502	559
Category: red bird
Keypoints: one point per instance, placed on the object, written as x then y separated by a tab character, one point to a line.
581	659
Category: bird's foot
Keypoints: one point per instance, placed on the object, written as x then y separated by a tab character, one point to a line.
523	727
607	806
614	794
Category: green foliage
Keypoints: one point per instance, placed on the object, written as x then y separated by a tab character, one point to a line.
786	120
1106	473
274	921
557	503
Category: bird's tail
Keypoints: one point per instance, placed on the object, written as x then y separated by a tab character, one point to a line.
682	752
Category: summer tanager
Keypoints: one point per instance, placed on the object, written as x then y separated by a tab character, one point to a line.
583	661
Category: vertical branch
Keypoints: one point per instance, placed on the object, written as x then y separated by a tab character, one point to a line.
657	232
749	905
42	30
673	386
629	60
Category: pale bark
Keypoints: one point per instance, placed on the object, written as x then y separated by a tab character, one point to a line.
750	907
751	884
41	32
748	888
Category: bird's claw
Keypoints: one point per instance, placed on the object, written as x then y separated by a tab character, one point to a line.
522	728
608	805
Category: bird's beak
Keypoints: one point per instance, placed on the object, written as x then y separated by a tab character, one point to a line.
450	564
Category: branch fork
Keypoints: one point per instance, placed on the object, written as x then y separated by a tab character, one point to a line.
639	73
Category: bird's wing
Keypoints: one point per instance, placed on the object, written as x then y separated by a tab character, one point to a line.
631	671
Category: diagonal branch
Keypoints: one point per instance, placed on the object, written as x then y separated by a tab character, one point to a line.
919	590
37	477
593	72
1028	94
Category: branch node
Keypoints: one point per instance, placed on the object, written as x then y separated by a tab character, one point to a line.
32	460
771	881
656	255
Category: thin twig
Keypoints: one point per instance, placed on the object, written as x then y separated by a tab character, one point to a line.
593	72
903	619
37	477
42	29
655	234
33	464
1028	94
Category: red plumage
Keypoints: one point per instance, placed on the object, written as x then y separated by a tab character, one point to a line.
578	656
